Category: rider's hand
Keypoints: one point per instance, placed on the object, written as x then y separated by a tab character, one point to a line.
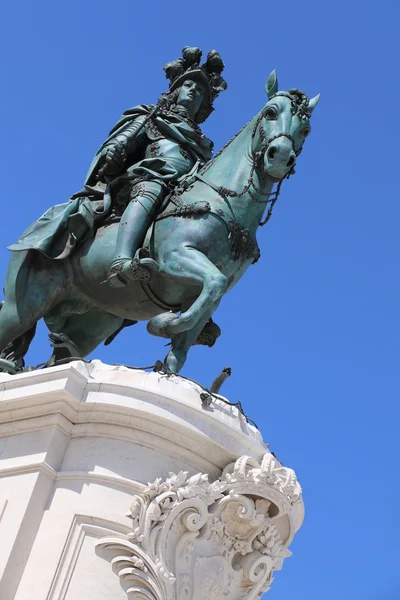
113	161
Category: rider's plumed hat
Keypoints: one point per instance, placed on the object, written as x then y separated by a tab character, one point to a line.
208	74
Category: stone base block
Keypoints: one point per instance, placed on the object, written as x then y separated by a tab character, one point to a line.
79	445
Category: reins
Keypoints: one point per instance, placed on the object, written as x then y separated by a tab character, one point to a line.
299	102
258	158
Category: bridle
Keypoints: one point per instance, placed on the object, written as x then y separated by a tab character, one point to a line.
258	159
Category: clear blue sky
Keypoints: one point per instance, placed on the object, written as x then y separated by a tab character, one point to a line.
312	331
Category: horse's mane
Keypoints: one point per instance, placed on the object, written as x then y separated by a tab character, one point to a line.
224	147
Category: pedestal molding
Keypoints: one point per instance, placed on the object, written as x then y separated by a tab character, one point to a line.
81	526
149	404
36	467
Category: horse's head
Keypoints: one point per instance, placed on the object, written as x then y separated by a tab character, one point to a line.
281	129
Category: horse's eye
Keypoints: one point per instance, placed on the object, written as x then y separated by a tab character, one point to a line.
271	114
306	132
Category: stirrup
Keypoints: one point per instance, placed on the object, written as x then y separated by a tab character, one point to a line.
125	270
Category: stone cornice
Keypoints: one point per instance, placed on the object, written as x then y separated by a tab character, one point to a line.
86	476
163	412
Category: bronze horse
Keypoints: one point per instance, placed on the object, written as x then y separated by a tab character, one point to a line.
203	242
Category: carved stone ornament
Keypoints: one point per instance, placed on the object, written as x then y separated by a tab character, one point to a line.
195	540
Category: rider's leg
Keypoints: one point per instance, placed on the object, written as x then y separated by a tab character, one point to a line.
145	199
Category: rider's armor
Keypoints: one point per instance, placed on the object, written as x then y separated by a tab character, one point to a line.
140	192
152	147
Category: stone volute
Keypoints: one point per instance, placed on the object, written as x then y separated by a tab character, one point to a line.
117	483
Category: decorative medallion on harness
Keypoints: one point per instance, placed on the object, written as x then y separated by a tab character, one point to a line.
243	246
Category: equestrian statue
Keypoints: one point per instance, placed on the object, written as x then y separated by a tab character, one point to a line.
161	229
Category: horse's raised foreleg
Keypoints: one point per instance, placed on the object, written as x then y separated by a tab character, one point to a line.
181	343
189	265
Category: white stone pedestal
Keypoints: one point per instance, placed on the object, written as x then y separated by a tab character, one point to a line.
78	521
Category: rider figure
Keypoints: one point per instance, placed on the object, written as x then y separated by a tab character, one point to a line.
143	155
146	153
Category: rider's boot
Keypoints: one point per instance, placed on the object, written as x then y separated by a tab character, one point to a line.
132	262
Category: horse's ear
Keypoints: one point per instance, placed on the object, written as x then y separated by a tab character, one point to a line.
271	85
313	103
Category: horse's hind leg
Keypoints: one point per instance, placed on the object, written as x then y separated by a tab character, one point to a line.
16	350
26	302
16	334
189	265
85	331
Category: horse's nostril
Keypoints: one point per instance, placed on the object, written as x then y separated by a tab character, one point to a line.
272	152
291	161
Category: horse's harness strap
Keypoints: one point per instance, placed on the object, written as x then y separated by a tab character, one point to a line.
269	198
156	299
286	135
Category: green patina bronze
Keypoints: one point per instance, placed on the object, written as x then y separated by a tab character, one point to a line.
160	231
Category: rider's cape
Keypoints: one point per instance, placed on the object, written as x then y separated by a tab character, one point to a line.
61	227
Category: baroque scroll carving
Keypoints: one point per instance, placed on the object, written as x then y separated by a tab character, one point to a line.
196	540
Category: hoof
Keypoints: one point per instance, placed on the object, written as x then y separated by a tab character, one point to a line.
209	335
163	325
8	366
60	340
161	367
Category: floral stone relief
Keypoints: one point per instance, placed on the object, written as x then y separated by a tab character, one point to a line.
196	540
